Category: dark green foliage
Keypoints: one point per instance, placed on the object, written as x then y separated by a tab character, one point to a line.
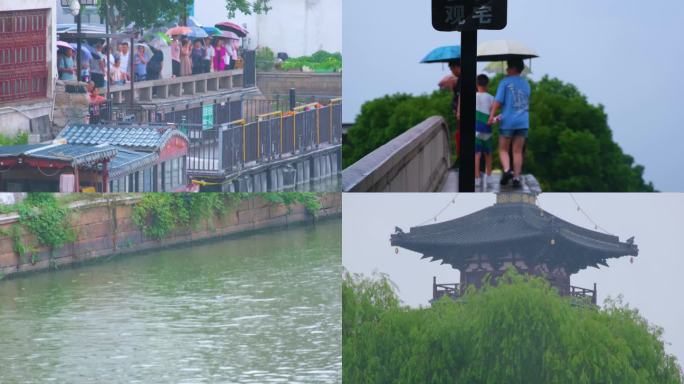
520	331
385	118
43	216
570	146
158	214
310	200
265	59
320	61
18	139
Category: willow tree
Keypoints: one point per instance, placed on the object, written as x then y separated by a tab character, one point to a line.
520	331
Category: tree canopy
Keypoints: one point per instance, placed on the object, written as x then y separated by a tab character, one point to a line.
519	331
570	145
146	13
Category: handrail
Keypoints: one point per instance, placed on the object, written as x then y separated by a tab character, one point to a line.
213	151
303	107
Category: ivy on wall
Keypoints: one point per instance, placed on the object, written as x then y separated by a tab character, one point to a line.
159	214
42	215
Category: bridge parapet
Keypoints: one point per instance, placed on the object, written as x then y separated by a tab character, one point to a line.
415	161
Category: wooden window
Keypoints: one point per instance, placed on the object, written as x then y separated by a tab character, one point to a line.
23	55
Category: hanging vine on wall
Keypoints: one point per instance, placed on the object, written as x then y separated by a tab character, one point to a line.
158	214
42	215
310	200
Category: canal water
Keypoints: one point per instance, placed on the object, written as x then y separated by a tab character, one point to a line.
256	309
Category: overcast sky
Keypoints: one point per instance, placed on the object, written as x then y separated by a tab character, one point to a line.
625	54
650	283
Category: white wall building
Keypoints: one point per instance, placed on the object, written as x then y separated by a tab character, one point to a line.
28	65
297	27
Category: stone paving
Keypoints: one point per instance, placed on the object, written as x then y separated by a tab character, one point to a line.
491	184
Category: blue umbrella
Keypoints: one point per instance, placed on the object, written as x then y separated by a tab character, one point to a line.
197	33
443	54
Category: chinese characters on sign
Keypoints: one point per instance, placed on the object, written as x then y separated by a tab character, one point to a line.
455	15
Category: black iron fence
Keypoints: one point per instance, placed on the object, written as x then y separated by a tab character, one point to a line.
271	136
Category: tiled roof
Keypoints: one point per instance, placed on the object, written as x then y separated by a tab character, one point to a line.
127	161
146	138
508	227
16	150
73	153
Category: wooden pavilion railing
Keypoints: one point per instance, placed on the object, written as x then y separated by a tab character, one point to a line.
452	290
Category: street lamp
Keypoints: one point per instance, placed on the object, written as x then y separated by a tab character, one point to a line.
75	9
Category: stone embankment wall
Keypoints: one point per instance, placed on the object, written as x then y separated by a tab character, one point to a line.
306	84
105	228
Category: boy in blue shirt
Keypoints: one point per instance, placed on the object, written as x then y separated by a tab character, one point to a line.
513	97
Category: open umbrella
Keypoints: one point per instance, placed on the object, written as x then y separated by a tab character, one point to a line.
64	44
443	54
197	33
228	35
148	51
158	43
502	50
232	27
212	31
85	52
178	31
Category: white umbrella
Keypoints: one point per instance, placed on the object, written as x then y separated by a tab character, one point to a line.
502	50
148	51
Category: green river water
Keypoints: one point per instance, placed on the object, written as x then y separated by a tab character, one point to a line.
255	309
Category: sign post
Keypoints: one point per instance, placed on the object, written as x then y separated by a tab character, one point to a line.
467	16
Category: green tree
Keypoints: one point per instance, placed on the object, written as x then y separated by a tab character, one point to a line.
146	13
570	145
519	331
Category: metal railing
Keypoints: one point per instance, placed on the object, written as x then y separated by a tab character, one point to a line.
272	136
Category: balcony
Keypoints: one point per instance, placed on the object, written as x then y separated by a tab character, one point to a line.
579	296
452	290
583	295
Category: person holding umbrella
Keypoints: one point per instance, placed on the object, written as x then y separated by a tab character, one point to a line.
185	62
513	97
65	64
140	64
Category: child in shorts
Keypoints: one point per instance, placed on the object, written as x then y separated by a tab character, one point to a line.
483	131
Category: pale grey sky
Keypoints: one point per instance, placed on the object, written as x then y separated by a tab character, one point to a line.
649	284
625	54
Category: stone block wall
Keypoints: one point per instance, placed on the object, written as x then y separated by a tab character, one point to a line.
105	228
306	84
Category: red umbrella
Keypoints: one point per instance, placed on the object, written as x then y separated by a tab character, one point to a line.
232	27
179	31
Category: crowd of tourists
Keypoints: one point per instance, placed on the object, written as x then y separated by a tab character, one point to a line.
202	55
187	58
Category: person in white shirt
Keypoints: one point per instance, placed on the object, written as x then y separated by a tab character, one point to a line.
208	55
124	57
483	130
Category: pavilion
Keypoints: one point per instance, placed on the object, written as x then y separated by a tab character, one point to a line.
514	232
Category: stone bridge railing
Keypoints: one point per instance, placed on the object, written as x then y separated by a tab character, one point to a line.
415	161
146	91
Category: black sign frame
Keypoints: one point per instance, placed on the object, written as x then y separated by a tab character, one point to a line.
455	15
